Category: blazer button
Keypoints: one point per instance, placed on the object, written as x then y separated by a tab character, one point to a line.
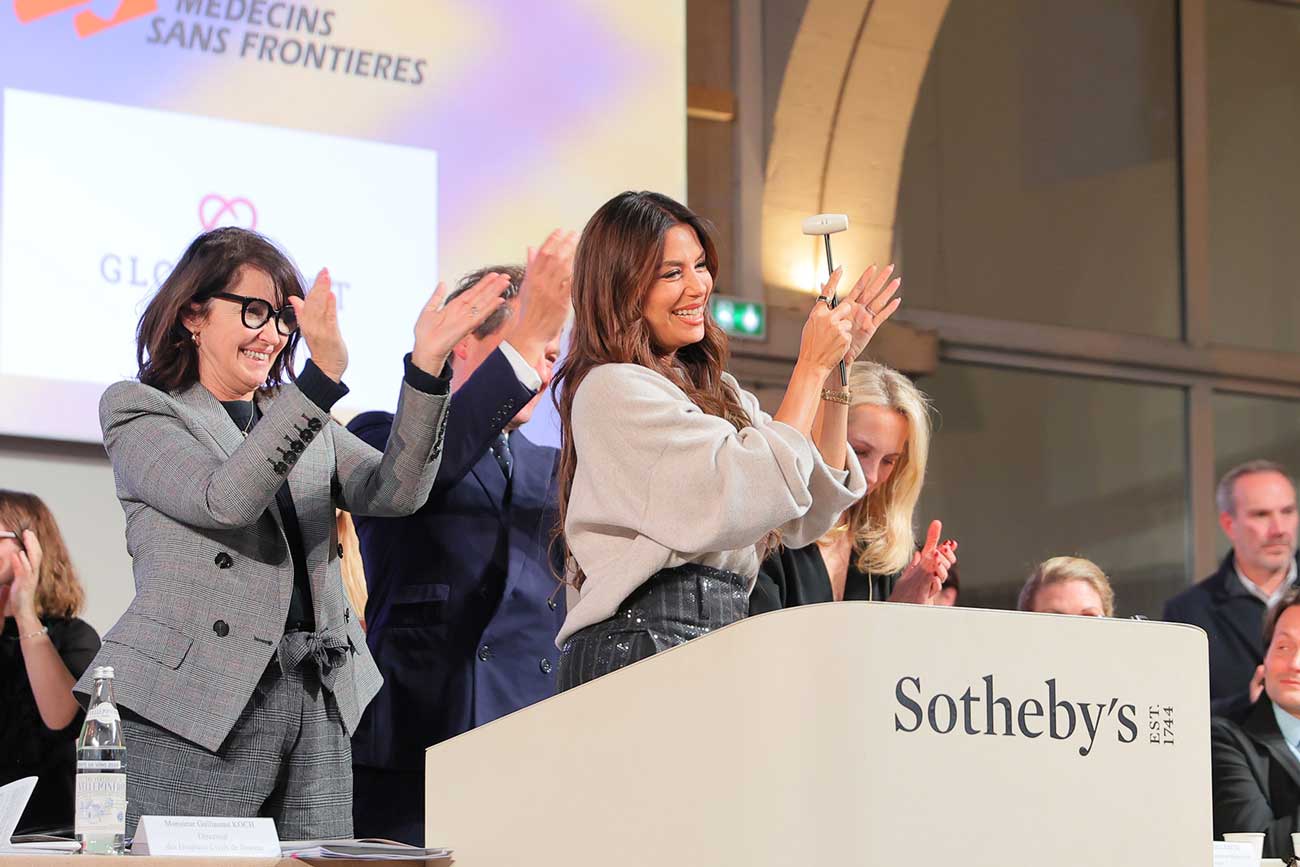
340	549
347	615
545	665
308	435
223	560
485	653
280	467
295	446
221	628
314	424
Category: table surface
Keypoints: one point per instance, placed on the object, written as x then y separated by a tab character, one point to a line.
173	861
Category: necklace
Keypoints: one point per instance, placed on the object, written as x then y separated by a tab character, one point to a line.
252	414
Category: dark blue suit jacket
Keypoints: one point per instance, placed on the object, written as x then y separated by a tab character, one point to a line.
1233	620
463	605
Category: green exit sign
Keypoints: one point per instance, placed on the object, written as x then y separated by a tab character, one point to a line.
740	318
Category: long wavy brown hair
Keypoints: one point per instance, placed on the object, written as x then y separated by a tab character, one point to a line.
616	264
58	592
165	349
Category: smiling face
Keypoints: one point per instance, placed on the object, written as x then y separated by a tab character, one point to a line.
676	305
1282	662
234	360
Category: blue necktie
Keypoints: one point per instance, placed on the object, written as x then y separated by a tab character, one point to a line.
501	451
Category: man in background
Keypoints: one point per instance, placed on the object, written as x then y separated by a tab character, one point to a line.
1257	512
1256	763
464	603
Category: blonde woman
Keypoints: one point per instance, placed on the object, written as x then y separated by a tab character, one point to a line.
872	552
44	648
1068	585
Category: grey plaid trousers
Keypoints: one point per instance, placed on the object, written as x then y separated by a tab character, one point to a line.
288	757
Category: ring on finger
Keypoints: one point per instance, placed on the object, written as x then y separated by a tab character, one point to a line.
825	299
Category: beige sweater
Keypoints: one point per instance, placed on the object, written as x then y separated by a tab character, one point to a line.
659	483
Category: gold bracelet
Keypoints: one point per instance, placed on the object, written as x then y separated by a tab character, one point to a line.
839	395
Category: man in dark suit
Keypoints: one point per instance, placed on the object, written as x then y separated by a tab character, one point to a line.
1257	511
1256	763
464	603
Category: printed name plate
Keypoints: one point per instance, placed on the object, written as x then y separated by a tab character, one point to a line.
1234	855
206	835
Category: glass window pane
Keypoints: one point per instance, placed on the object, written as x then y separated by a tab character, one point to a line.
1040	178
1247	428
1026	466
1253	67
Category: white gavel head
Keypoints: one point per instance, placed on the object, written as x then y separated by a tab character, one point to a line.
825	224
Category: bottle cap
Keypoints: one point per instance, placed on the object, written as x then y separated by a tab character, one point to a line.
103	671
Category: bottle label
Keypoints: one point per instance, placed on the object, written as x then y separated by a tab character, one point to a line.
113	765
101	804
104	712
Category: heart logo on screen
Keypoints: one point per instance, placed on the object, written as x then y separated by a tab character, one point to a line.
215	210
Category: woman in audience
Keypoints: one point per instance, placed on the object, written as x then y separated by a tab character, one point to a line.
240	667
872	552
673	483
44	648
1068	585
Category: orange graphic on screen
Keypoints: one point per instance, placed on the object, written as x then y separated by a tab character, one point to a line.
86	22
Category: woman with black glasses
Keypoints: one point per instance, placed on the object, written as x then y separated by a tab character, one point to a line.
240	669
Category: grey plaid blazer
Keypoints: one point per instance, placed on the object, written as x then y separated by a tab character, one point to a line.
213	575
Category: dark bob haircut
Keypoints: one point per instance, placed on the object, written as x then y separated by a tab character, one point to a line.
164	348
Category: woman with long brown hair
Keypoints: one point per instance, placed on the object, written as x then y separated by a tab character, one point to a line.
44	648
240	668
672	480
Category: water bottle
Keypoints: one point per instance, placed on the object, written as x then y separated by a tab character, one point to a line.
101	772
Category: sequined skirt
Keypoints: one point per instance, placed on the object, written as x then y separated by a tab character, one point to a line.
670	608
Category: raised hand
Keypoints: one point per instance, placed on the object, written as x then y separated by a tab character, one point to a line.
874	294
1257	684
26	571
442	324
922	580
318	322
544	296
828	333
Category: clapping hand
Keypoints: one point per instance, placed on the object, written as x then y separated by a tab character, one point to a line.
18	597
922	580
828	333
544	297
874	296
441	324
318	322
1257	684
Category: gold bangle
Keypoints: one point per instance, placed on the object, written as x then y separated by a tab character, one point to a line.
44	630
840	395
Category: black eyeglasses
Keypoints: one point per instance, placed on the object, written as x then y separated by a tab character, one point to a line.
256	312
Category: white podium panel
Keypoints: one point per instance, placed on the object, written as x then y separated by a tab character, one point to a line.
853	733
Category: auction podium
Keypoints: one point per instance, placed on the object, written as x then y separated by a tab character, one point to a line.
853	733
